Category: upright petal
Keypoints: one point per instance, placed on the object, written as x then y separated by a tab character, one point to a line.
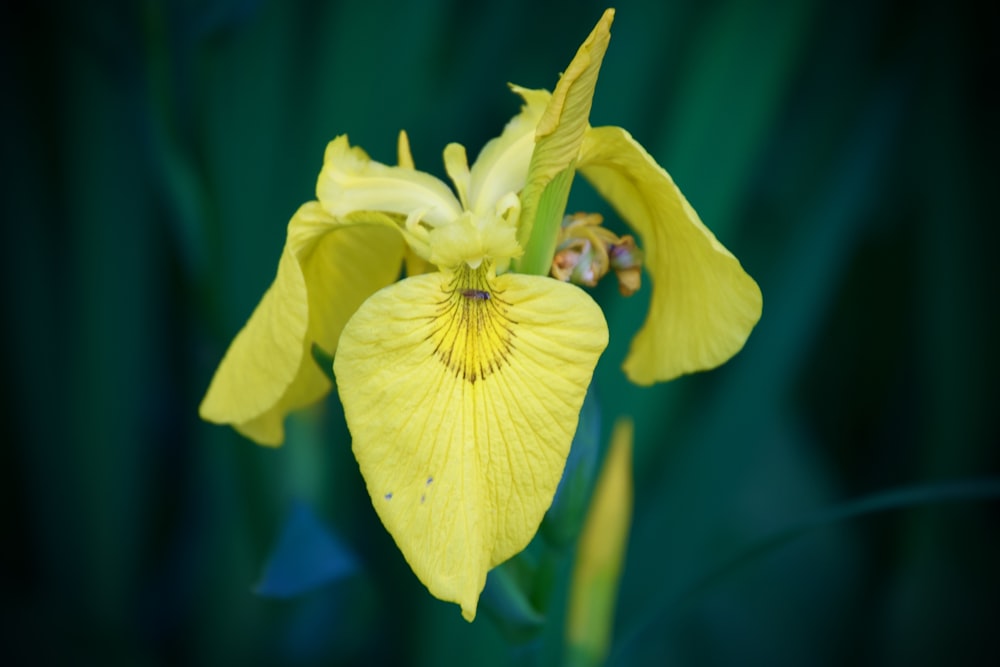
456	164
415	264
462	392
502	164
704	304
326	270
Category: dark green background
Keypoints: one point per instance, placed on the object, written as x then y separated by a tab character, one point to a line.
153	153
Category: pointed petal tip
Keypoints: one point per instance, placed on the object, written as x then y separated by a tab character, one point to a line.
264	430
205	411
273	438
558	138
404	158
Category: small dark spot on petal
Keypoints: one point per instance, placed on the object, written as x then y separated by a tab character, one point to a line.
476	295
422	498
430	479
388	496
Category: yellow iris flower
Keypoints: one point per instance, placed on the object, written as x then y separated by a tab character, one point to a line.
462	383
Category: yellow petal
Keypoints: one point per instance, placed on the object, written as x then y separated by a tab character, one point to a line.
456	165
462	392
326	270
415	264
601	552
471	240
502	165
557	145
350	181
703	304
404	158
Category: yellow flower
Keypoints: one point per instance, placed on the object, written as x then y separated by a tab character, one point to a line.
462	383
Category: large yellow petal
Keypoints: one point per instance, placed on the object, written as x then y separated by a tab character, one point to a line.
558	137
327	269
462	393
704	304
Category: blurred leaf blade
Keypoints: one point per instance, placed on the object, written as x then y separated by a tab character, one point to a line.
307	555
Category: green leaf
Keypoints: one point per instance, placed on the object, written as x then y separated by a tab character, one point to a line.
306	557
564	519
325	362
970	490
505	601
541	247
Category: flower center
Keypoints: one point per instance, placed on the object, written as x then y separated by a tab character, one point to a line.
472	333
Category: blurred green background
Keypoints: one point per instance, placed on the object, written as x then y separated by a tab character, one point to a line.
153	153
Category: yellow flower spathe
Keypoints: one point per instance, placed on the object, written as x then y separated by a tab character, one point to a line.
601	554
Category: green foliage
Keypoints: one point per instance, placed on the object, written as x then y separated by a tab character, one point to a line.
155	151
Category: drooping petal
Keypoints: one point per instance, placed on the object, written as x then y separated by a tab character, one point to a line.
557	145
462	392
327	269
703	304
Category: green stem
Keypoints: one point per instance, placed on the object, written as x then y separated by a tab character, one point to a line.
541	244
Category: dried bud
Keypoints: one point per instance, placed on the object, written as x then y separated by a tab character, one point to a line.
581	262
586	251
564	263
626	262
629	280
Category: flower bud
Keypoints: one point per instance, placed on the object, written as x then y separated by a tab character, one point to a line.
626	262
586	251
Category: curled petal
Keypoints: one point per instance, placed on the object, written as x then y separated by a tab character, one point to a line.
704	304
327	268
350	181
462	392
